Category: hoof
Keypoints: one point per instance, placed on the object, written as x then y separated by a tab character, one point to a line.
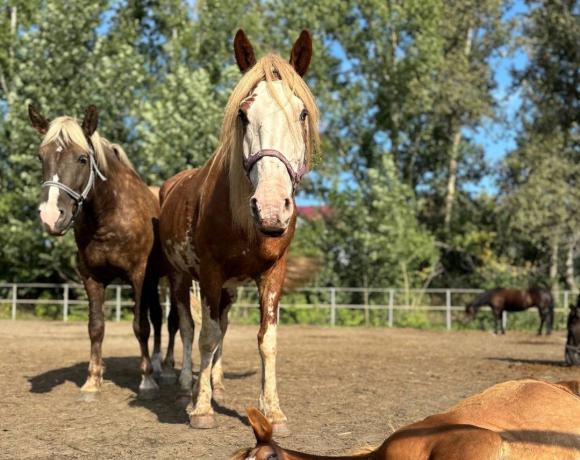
280	430
203	422
167	377
89	396
219	395
148	394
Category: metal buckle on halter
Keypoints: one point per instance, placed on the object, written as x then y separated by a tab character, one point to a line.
295	176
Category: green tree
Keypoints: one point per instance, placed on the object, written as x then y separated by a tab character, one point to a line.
541	174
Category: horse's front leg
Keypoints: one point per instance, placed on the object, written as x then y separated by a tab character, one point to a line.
270	288
210	283
148	387
228	297
96	293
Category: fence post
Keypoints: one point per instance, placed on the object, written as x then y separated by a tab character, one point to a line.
504	320
118	303
391	304
448	310
566	299
65	302
367	313
333	306
14	300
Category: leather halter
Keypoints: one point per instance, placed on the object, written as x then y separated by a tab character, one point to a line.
295	176
79	198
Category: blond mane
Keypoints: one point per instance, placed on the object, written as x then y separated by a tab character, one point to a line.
228	156
67	130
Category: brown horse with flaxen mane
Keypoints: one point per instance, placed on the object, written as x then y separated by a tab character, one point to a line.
232	220
514	300
515	420
90	185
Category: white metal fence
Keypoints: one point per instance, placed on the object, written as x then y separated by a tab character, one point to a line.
69	300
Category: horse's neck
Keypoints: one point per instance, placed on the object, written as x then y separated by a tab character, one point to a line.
103	198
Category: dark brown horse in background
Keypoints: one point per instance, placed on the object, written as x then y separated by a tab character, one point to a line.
90	185
232	220
502	299
572	350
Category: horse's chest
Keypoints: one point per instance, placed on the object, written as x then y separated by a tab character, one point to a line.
117	252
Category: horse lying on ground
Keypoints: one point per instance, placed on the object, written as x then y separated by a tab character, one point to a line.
90	185
501	300
572	350
519	420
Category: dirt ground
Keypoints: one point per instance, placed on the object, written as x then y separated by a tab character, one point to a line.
340	388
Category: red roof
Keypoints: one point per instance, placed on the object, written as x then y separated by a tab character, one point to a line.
313	212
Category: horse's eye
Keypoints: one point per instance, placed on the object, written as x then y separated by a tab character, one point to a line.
83	159
303	115
243	116
272	457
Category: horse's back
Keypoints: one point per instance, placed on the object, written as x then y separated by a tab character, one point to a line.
175	183
523	419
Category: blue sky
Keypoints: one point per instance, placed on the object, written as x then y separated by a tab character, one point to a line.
497	138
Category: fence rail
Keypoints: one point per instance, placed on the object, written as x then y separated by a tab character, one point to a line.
67	297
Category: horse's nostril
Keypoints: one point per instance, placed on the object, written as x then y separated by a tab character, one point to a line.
287	203
254	205
61	211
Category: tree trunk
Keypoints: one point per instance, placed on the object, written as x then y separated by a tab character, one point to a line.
570	277
3	77
452	178
454	151
554	264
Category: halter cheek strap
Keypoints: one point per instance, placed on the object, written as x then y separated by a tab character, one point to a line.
295	176
79	198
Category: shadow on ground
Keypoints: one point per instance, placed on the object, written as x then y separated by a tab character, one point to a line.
541	362
124	373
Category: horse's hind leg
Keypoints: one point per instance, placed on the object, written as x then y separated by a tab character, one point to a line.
156	316
148	387
542	320
96	293
228	297
495	322
168	376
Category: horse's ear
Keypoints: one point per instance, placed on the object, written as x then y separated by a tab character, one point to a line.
90	121
244	51
301	53
260	424
38	122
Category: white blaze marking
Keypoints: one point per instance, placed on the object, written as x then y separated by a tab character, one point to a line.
49	212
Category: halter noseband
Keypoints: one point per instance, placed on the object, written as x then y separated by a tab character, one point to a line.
295	176
79	198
